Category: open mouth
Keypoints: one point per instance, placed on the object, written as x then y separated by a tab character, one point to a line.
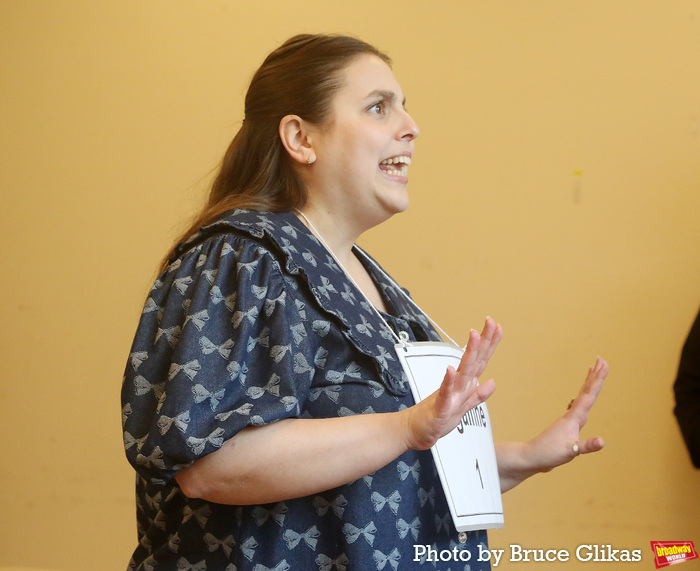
395	166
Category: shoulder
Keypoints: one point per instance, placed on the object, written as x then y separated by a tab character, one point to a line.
248	227
241	242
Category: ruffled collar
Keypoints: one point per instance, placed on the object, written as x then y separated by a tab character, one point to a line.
305	256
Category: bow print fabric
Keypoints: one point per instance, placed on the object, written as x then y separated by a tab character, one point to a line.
251	323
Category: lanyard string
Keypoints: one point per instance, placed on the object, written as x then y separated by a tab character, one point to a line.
402	339
408	297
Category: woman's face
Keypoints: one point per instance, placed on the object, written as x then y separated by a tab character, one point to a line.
363	151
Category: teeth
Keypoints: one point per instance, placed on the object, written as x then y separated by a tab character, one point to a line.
397	160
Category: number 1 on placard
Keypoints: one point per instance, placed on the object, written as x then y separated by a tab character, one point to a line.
479	471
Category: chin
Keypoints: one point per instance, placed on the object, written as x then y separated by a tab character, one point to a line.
399	205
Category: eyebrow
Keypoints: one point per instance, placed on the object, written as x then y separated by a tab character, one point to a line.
384	94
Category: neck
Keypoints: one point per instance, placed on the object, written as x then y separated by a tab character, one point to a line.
351	265
338	236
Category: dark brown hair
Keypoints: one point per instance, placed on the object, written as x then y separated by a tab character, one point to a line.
298	78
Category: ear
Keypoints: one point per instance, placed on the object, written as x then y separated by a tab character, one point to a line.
296	137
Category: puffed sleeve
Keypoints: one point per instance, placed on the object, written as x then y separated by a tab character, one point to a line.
219	346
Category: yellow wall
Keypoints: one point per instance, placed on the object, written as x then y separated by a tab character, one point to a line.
114	112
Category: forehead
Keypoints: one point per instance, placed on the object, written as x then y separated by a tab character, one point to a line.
366	76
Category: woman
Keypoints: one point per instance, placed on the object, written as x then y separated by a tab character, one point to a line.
268	420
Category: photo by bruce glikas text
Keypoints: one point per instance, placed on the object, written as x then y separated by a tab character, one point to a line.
519	554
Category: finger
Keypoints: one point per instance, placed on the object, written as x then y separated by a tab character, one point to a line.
487	335
589	392
600	368
594	381
490	336
495	339
485	390
444	394
590	445
479	395
447	381
454	390
468	362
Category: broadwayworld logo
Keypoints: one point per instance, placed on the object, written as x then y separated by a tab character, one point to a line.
672	552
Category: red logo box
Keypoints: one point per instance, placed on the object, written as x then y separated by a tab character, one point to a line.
672	552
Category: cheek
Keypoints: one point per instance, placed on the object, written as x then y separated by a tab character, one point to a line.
360	160
357	151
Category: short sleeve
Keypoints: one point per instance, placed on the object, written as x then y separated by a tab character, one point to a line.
220	346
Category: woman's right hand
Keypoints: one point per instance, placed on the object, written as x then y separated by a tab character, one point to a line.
437	415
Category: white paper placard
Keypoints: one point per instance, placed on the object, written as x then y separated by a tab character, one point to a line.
465	458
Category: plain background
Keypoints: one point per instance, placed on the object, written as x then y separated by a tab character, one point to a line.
556	187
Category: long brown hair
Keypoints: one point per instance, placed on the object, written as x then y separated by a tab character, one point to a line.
298	78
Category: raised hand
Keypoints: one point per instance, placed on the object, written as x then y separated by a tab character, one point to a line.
557	444
561	441
460	391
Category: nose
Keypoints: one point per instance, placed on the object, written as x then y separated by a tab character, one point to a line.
409	128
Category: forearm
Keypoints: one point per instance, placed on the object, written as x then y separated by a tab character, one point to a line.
292	458
295	457
514	464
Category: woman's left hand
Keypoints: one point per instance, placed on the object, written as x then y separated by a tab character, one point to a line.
560	442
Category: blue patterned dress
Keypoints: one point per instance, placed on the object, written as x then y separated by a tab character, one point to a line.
253	322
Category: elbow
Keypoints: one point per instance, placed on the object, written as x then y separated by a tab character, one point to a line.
190	485
221	477
196	482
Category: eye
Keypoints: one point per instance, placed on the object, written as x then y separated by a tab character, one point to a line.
378	108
